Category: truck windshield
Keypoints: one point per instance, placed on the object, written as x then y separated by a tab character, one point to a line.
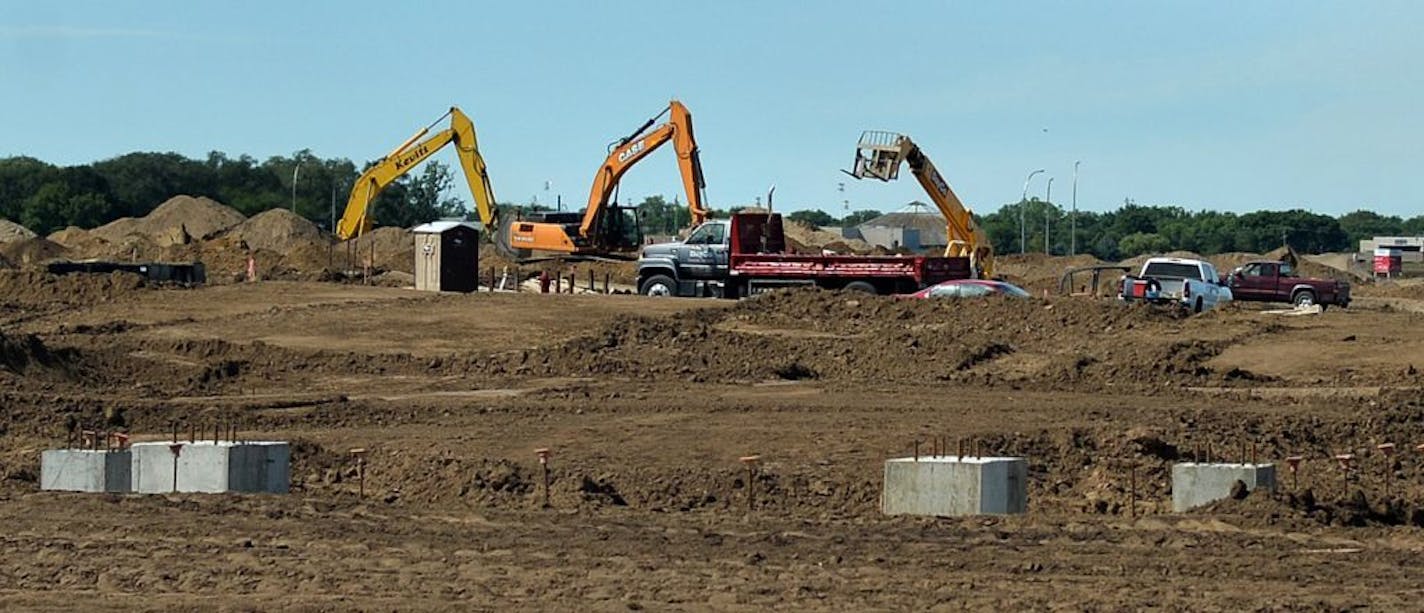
709	234
1172	270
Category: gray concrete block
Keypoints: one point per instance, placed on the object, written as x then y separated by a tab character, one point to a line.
1199	484
949	486
85	470
204	466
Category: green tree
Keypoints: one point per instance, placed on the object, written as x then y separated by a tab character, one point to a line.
859	217
1362	224
1139	243
816	218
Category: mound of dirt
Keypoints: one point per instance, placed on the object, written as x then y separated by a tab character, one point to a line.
32	251
11	231
19	353
808	238
178	221
1036	272
278	230
386	248
81	243
812	334
38	288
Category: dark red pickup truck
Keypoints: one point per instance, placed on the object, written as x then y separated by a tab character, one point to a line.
1267	281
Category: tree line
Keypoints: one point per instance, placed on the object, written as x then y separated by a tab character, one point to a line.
45	197
1036	226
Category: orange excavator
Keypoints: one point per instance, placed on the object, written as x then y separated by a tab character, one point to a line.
605	230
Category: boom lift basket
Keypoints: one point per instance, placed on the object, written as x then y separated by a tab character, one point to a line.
878	155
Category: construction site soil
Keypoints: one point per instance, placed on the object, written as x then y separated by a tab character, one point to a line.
647	405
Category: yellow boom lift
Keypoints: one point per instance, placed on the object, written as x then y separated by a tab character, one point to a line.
879	155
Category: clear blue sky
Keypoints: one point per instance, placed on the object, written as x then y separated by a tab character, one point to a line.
1224	105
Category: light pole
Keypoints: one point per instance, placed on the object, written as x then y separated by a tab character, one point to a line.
1073	217
295	170
1023	204
1047	211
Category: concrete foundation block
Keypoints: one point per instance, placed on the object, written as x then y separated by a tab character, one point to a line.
85	470
951	485
1198	484
205	466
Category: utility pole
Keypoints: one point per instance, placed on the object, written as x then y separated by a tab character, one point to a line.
1047	212
295	169
1023	205
1073	218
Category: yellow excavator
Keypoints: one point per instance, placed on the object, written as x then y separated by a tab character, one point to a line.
605	230
356	220
878	155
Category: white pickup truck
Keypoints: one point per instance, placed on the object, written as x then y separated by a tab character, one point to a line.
1190	284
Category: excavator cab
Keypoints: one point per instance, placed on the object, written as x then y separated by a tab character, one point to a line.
622	228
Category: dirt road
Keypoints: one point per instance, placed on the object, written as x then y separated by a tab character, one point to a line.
647	404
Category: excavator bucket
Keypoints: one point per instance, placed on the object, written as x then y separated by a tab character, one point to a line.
878	156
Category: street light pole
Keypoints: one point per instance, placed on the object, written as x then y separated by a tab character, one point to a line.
1073	217
295	170
1023	204
1047	211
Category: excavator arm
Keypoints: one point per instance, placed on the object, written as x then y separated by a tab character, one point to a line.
879	155
639	145
356	219
590	235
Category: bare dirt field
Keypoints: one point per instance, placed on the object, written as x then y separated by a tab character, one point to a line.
647	404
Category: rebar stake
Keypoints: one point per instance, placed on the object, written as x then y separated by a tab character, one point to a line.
751	463
1388	450
1293	465
543	454
1345	459
1132	492
360	454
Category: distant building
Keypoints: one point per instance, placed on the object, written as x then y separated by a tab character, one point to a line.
917	227
1410	248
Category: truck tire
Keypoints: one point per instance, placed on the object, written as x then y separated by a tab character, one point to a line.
860	286
1303	298
658	285
1199	305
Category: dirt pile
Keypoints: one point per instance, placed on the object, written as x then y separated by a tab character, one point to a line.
810	334
278	230
178	221
32	251
1036	272
810	239
11	231
33	288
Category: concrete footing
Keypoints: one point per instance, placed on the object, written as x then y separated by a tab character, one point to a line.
952	485
205	466
86	470
1198	484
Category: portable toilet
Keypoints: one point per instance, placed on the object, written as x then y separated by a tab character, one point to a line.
1388	262
447	256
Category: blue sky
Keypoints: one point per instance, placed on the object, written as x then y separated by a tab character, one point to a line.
1222	105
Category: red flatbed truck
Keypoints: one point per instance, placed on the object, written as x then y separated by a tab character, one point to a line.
747	254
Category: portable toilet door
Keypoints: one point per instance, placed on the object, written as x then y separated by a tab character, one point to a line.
459	261
427	261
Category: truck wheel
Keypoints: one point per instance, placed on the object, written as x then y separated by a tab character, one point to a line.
658	285
1303	298
1199	305
860	286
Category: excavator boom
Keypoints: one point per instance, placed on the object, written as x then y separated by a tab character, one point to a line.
879	155
356	219
594	235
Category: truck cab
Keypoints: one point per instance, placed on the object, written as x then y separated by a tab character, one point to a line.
688	266
1268	281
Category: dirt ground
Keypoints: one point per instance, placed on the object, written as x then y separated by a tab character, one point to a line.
647	404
